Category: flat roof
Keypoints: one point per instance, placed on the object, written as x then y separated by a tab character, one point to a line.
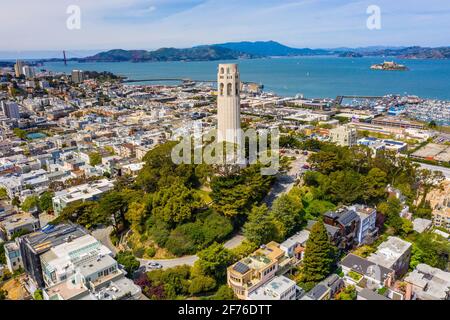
389	252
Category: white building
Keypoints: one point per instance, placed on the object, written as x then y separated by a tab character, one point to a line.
279	288
65	260
368	218
86	192
394	254
29	72
428	283
228	104
84	269
345	136
11	110
13	257
298	240
77	76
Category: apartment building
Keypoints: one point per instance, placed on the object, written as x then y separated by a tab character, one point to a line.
367	226
34	245
394	254
345	136
428	283
85	192
64	260
252	272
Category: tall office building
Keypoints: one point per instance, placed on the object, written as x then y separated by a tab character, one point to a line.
77	76
18	68
28	71
10	109
228	104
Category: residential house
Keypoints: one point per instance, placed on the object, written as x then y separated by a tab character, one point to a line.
294	246
326	289
279	288
428	283
18	222
361	272
394	254
252	272
13	258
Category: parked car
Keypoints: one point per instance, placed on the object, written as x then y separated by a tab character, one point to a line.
154	265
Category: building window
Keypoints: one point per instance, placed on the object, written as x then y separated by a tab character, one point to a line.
221	89
229	89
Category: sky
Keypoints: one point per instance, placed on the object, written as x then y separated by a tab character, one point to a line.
151	24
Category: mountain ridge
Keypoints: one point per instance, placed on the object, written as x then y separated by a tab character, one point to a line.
259	49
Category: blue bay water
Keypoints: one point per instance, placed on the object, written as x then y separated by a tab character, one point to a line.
315	77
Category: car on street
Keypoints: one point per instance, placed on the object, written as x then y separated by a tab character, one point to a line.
154	265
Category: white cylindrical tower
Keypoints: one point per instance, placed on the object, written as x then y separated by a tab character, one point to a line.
228	104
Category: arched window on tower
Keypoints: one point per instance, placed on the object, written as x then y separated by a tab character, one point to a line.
222	71
237	88
229	89
221	89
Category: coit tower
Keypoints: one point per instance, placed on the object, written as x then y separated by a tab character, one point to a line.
228	104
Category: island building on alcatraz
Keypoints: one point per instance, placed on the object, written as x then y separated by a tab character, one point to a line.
228	104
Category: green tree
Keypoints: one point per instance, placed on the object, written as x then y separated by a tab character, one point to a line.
113	205
37	295
22	134
3	294
213	261
95	158
82	213
3	194
130	263
2	253
30	203
201	284
345	187
15	201
287	213
45	201
318	207
224	293
259	227
176	204
319	255
374	185
391	210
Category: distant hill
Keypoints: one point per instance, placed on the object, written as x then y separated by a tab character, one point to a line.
272	48
414	53
201	53
258	49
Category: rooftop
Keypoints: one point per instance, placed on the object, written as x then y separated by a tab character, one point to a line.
429	283
389	252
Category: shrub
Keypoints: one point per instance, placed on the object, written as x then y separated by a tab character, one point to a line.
139	252
150	251
201	284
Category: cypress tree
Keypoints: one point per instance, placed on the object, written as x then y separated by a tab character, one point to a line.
319	255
